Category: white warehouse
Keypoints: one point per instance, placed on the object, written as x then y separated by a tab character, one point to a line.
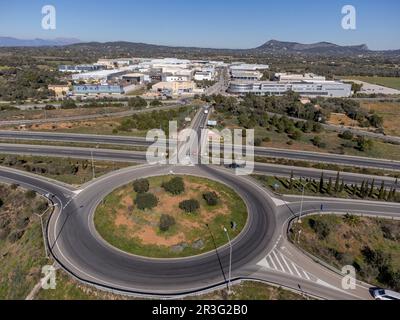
304	88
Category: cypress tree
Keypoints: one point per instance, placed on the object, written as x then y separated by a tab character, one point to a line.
337	182
371	191
321	183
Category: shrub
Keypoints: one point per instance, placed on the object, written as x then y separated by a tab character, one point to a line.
141	185
321	228
174	186
166	222
156	103
296	135
257	142
41	207
190	205
146	201
30	194
346	135
211	198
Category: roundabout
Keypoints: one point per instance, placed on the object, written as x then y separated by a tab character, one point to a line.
167	229
81	251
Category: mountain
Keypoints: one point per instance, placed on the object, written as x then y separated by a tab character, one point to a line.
14	42
314	48
123	48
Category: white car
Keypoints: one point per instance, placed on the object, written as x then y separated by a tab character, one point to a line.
382	294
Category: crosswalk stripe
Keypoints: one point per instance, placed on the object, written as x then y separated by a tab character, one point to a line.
277	259
284	260
306	274
272	262
297	271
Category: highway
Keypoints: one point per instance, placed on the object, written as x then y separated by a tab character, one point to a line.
140	157
298	155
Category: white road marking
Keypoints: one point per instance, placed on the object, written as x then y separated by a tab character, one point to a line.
277	259
284	260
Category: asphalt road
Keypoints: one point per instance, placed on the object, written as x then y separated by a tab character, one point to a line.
298	155
140	157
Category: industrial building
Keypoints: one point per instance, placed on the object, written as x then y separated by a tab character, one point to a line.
80	68
288	77
246	75
59	90
169	77
97	89
203	75
304	88
248	67
175	87
102	75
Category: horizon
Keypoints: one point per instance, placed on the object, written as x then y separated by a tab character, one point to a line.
79	41
209	24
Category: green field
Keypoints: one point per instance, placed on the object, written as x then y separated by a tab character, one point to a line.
390	82
121	223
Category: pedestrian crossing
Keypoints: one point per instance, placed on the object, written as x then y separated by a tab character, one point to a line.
278	261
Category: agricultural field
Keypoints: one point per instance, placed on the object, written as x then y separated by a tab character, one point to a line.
389	111
390	82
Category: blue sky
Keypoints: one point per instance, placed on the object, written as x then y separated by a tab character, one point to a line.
207	23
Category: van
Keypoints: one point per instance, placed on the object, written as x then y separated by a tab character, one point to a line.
382	294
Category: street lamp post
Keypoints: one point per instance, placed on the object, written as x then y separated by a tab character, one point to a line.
302	199
230	260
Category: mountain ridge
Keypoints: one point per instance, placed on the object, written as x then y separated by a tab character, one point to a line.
269	47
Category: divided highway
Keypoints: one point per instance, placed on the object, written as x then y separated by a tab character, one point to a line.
140	157
298	155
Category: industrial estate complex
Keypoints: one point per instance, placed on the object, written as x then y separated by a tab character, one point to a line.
170	77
